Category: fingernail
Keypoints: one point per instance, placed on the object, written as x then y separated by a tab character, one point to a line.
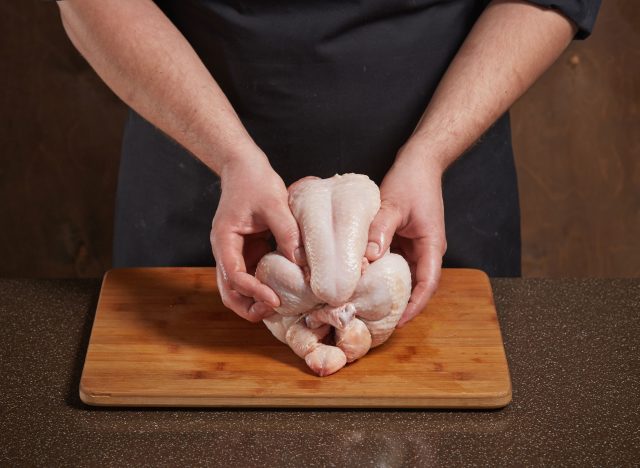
267	297
299	256
273	302
373	248
259	309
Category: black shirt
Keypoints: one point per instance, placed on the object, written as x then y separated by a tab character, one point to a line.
323	87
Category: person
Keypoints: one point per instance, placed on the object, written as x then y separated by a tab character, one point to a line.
414	94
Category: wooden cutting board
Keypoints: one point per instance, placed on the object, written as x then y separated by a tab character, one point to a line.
161	337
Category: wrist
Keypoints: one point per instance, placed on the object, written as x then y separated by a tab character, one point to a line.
239	158
422	156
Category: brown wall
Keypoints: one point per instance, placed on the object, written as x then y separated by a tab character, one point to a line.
577	143
60	138
575	134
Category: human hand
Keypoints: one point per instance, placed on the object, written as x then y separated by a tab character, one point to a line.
254	202
411	221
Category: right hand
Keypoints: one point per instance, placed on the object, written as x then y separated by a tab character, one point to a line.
254	202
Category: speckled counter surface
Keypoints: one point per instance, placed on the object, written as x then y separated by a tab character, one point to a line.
573	350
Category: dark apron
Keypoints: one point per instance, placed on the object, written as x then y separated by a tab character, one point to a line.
323	87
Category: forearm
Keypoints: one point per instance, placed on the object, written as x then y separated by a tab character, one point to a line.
509	47
147	62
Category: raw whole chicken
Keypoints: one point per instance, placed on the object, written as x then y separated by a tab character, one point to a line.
339	306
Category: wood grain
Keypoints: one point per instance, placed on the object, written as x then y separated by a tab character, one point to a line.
162	337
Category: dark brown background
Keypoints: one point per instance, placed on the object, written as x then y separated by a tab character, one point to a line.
576	136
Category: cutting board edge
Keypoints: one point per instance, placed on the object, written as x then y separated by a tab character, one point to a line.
190	402
489	401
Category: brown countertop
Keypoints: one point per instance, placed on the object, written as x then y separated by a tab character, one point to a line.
572	347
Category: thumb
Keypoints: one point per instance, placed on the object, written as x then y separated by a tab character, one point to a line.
382	229
285	229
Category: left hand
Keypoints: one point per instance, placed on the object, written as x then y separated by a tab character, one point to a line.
411	221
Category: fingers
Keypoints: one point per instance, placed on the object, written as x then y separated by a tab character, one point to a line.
249	286
382	229
242	305
428	269
238	290
235	301
227	250
285	229
262	310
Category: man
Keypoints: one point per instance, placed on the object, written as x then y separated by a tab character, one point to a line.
263	93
